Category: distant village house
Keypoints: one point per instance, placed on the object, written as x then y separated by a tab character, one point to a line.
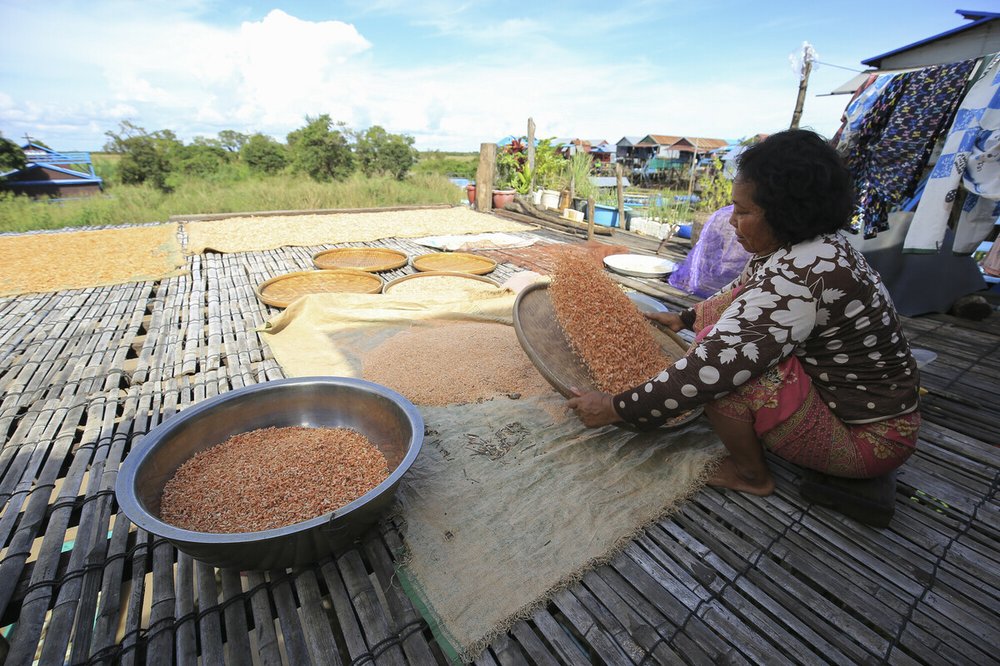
50	173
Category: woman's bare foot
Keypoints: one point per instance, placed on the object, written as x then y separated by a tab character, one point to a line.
727	475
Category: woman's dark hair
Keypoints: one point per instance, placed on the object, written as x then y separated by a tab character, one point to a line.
801	184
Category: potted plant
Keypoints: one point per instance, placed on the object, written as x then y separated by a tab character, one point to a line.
511	173
550	166
577	172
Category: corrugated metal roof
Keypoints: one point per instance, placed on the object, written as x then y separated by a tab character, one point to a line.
672	141
705	143
663	139
41	158
977	19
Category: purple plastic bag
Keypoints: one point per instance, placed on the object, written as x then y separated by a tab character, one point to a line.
715	260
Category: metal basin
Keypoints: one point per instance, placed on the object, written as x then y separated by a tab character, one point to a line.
388	419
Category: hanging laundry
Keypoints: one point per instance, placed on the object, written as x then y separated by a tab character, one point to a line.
970	158
894	139
856	110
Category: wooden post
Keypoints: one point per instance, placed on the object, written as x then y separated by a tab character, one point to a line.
621	195
694	165
485	173
531	154
590	218
803	84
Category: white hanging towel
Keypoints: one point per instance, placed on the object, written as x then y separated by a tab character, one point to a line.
970	157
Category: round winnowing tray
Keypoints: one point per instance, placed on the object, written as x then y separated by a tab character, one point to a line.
456	262
370	259
438	281
545	343
280	291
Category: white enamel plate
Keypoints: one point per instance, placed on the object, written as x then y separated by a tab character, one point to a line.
639	265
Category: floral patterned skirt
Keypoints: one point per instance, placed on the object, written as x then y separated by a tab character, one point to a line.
793	421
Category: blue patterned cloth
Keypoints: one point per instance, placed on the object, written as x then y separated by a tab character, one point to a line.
890	147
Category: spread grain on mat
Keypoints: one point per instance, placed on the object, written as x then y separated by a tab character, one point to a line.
270	478
608	333
450	364
43	262
247	234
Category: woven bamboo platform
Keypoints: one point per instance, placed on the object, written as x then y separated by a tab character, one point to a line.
729	579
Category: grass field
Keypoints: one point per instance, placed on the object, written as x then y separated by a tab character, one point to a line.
235	189
132	204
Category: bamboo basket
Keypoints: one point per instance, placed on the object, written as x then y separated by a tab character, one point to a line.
458	277
369	259
455	262
280	291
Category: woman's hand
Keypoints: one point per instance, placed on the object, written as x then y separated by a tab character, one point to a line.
594	409
671	320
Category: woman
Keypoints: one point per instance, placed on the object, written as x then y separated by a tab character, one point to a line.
803	354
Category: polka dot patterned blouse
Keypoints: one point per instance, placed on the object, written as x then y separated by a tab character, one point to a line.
819	300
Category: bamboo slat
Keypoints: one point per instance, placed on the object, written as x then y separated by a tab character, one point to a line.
316	629
267	647
84	374
186	645
209	614
603	645
407	623
371	615
567	650
291	630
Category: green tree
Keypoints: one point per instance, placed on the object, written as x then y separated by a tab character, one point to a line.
116	140
144	161
202	159
11	156
716	189
146	157
263	154
379	152
232	140
206	141
319	150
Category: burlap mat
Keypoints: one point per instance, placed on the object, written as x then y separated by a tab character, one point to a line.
247	234
78	259
509	500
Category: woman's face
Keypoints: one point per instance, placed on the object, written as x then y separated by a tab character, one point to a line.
752	230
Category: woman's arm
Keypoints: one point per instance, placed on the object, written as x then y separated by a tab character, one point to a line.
760	327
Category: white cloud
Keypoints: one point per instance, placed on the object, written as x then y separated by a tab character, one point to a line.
163	66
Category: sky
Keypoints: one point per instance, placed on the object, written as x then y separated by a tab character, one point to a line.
450	74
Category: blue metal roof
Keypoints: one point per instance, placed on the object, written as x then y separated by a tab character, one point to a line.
976	18
38	157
